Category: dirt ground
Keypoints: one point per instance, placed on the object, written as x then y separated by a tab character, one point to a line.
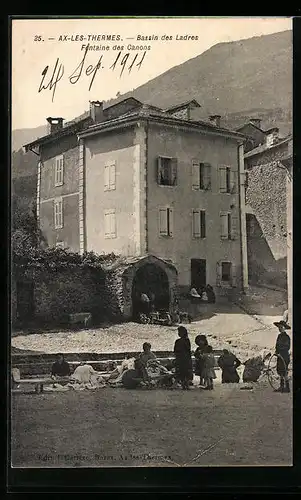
225	325
116	427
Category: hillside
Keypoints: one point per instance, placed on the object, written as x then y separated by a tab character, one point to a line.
230	78
237	80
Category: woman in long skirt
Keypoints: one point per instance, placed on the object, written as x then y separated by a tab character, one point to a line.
183	361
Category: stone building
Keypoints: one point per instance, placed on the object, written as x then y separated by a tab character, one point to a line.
268	166
154	186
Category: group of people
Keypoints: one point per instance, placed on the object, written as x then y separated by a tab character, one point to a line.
147	370
204	362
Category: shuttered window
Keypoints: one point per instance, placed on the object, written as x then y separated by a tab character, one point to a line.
110	177
227	180
199	224
59	171
166	221
226	274
201	175
58	213
110	223
167	171
229	226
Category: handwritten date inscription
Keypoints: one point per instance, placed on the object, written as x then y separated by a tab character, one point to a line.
51	77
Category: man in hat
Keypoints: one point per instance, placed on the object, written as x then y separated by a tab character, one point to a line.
282	348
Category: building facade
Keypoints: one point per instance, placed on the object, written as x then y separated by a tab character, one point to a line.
142	182
268	168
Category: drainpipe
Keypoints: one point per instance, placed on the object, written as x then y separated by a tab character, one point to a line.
243	227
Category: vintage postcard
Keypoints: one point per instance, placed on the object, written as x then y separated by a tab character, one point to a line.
151	184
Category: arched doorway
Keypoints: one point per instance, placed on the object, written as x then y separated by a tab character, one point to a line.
152	280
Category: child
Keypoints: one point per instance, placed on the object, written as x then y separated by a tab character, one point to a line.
202	343
208	369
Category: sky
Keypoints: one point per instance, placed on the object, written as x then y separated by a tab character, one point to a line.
82	77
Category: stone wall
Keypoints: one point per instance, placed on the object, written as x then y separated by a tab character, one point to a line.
266	208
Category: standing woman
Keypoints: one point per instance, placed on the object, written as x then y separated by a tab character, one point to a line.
183	361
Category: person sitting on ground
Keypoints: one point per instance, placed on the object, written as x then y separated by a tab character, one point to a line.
210	294
60	368
141	362
202	342
85	376
282	349
115	377
254	366
208	373
228	363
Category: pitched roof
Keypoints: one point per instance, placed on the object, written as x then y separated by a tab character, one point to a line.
145	112
263	147
183	105
84	125
253	125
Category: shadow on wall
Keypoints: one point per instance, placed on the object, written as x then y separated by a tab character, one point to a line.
262	265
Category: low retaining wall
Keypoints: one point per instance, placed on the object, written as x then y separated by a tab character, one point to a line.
33	365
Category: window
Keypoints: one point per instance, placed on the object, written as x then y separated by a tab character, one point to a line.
167	171
110	177
199	224
58	213
227	180
226	271
229	226
110	223
166	221
201	175
59	171
226	274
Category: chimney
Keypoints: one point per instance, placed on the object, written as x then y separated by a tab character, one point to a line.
96	111
215	120
54	124
256	121
272	136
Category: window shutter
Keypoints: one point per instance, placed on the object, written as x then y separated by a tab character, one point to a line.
207	176
232	181
233	275
203	223
112	176
113	225
223	179
234	227
224	225
174	171
107	178
196	224
171	221
107	224
195	174
163	221
159	169
218	273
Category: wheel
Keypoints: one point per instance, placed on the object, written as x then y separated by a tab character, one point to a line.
276	363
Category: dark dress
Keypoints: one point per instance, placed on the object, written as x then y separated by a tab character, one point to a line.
183	361
228	364
199	361
283	345
131	379
60	369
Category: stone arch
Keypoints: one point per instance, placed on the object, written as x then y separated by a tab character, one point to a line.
164	268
